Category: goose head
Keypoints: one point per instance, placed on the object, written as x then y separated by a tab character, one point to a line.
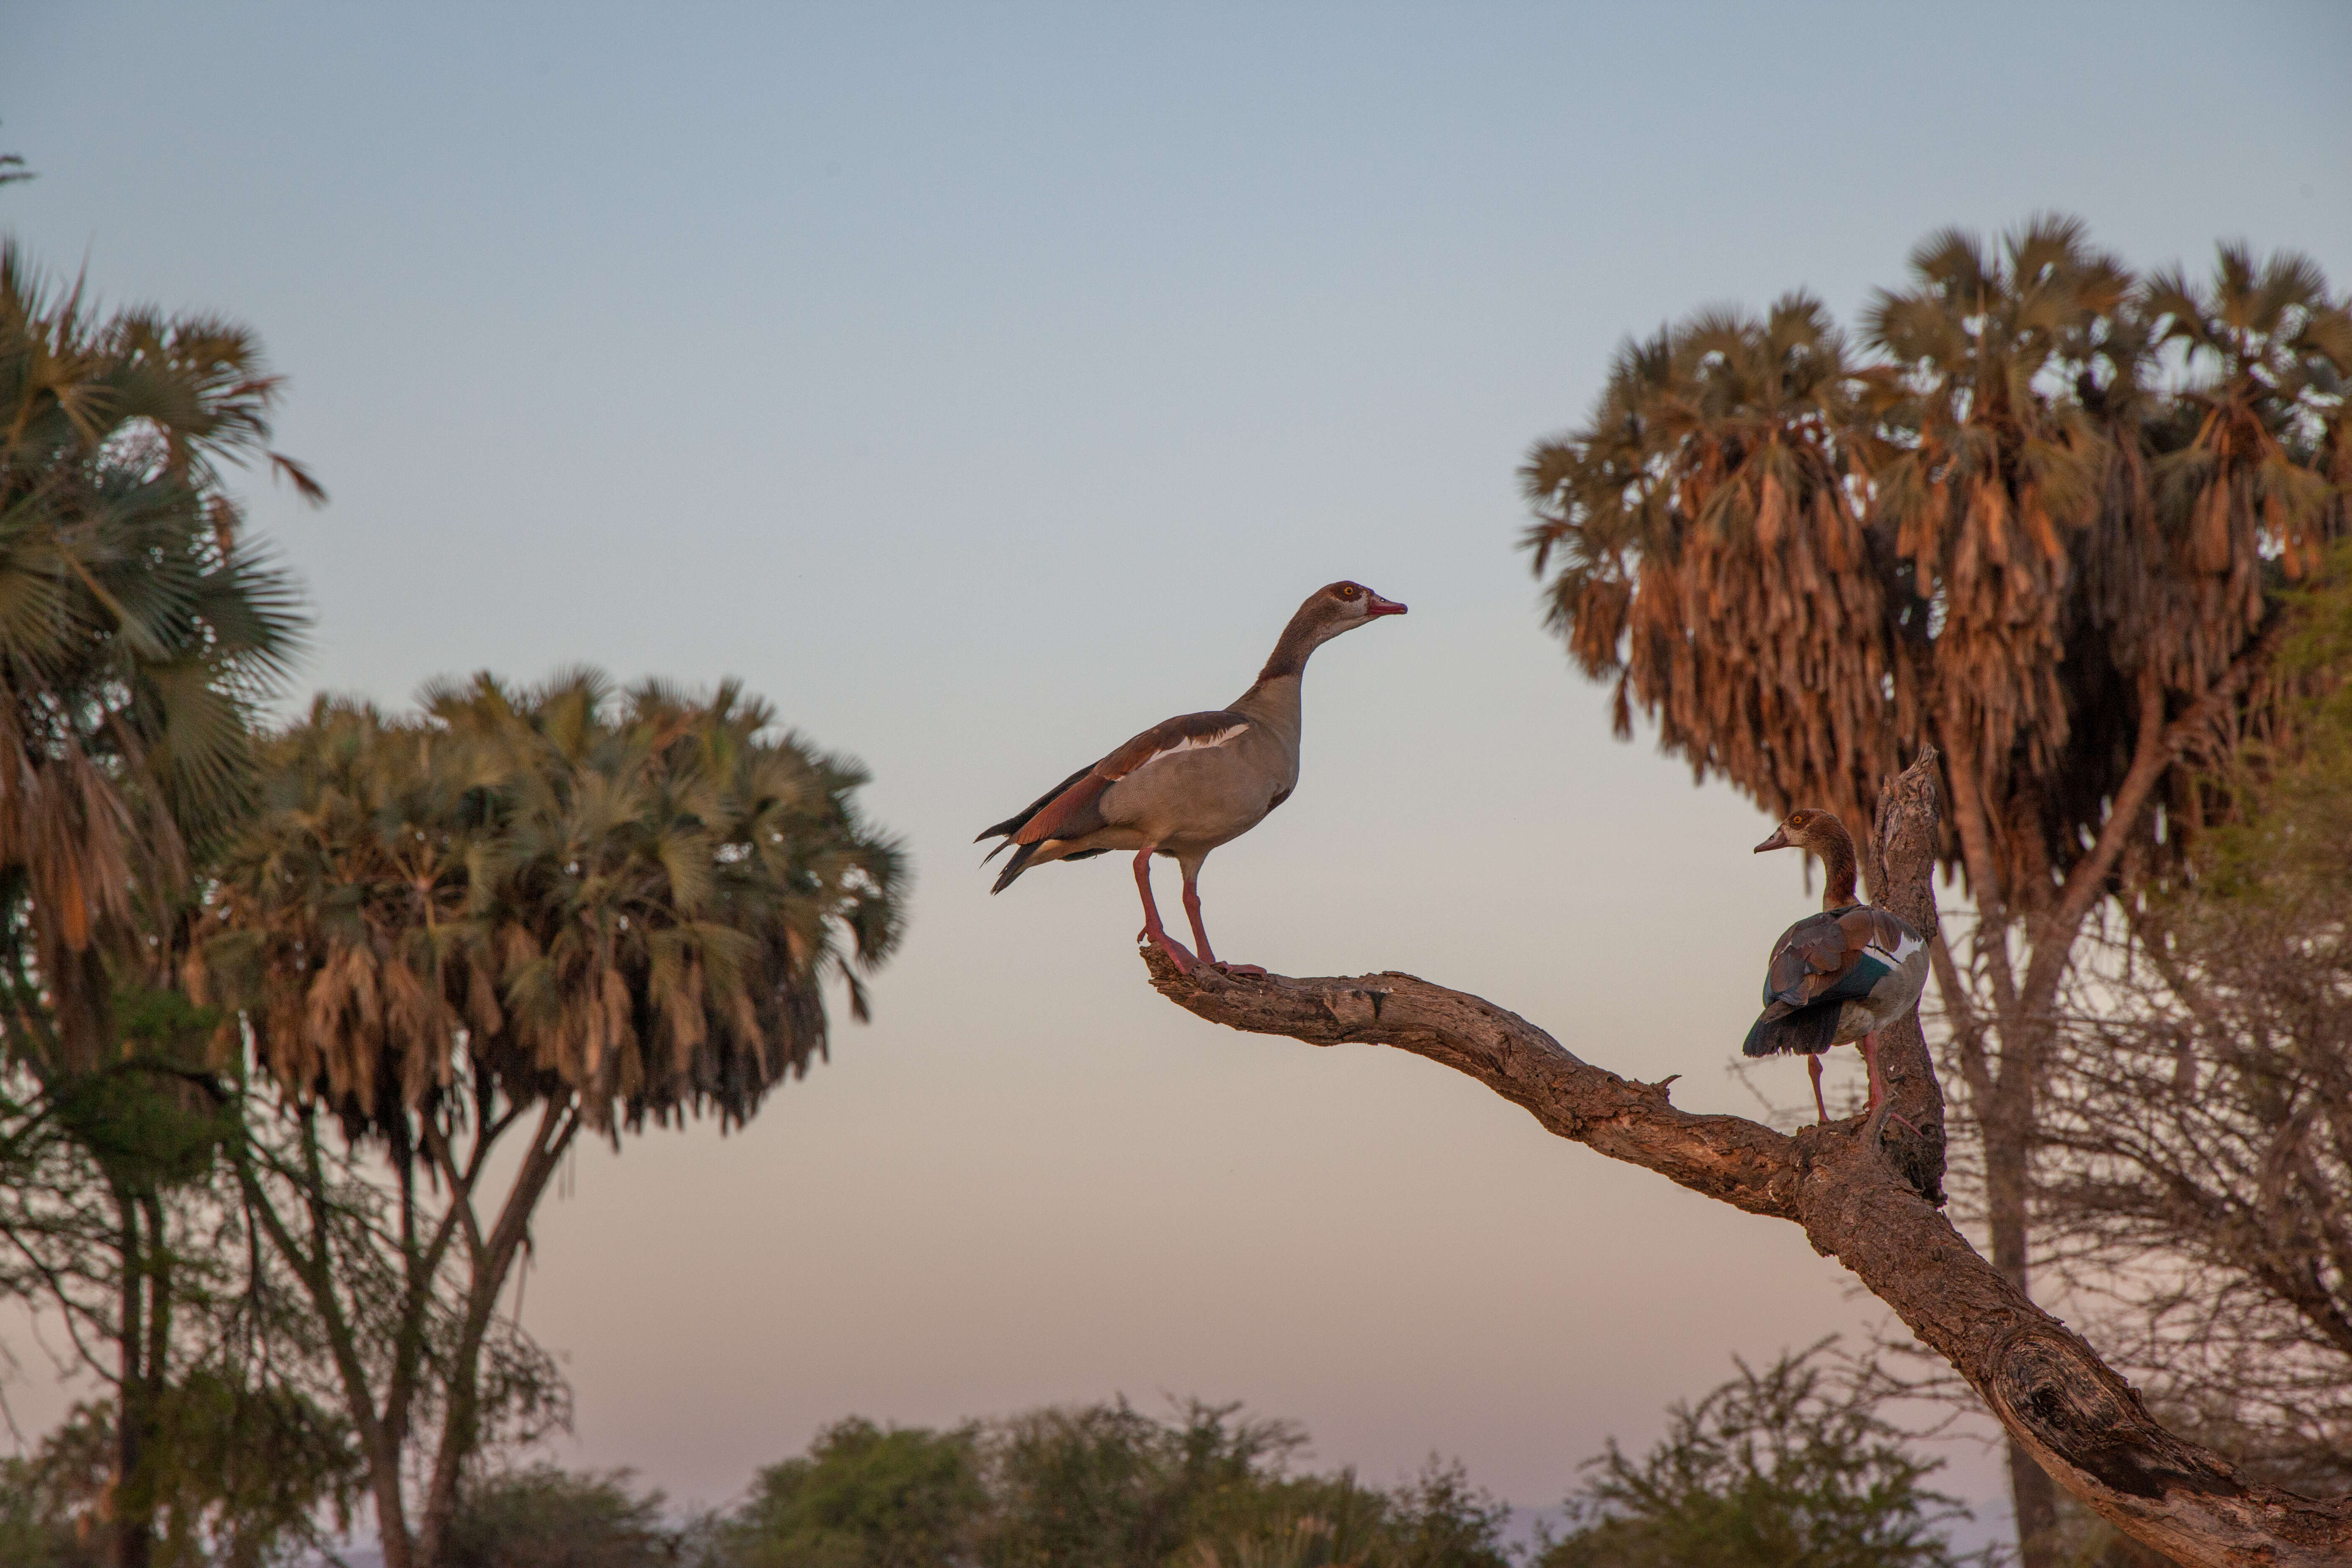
1808	827
1340	606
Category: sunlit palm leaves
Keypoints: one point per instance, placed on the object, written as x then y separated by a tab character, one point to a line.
136	628
2009	530
1713	488
635	898
1988	473
2257	418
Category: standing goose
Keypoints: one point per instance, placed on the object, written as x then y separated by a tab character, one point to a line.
1842	975
1190	784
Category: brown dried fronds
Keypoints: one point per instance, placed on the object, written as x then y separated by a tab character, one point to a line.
2008	532
633	898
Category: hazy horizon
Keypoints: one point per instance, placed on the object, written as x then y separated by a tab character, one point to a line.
982	385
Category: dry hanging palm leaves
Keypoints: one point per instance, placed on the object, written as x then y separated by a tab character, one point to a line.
136	633
2078	501
553	892
1712	490
2005	534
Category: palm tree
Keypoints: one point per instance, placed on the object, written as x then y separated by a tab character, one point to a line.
558	909
2066	580
137	632
2240	479
137	629
1713	484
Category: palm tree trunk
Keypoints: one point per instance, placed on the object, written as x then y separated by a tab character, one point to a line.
2001	1085
381	1434
2033	1497
494	1258
134	1508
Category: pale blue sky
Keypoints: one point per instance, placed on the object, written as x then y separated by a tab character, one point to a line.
983	384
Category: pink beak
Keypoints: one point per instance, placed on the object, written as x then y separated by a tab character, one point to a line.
1780	840
1380	607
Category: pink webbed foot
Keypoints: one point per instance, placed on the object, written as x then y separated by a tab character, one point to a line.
1177	953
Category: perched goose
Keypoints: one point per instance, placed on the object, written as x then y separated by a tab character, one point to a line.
1190	784
1842	975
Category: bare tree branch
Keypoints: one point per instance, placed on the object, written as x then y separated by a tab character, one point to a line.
1858	1197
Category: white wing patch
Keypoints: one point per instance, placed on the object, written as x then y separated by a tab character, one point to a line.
1904	947
1195	744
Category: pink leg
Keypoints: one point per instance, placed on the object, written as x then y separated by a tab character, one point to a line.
1813	1067
1151	931
1200	933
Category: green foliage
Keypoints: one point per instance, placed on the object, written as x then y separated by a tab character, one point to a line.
2296	842
632	898
544	1517
865	1498
138	633
1440	1521
153	1117
40	1527
240	1478
1790	1465
1107	1486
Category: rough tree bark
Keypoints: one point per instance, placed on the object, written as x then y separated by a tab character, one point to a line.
1866	1193
2004	1048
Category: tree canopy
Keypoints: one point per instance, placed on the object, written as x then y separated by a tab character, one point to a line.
2041	526
2047	503
1793	1464
629	897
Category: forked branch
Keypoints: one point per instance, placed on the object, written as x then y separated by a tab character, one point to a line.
1861	1195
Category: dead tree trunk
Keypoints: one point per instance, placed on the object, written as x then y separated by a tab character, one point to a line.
1865	1192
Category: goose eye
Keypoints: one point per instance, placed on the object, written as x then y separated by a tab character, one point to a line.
1348	590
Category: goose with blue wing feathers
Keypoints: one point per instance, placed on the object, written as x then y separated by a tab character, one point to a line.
1840	976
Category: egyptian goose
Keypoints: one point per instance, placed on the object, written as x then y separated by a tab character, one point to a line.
1842	975
1188	785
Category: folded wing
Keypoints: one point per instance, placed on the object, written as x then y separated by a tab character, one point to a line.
1073	808
1819	964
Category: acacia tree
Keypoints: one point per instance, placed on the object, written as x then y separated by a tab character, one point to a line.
1792	1464
2195	1174
2005	535
1859	1195
138	629
520	915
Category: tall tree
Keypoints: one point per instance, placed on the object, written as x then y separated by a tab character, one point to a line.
1858	1197
2004	535
535	912
137	628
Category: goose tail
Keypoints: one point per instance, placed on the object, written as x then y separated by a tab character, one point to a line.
1809	1031
1022	855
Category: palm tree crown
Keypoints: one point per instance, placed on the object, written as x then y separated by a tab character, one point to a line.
548	893
137	632
2007	529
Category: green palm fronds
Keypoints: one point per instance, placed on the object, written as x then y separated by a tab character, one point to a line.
137	629
636	899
